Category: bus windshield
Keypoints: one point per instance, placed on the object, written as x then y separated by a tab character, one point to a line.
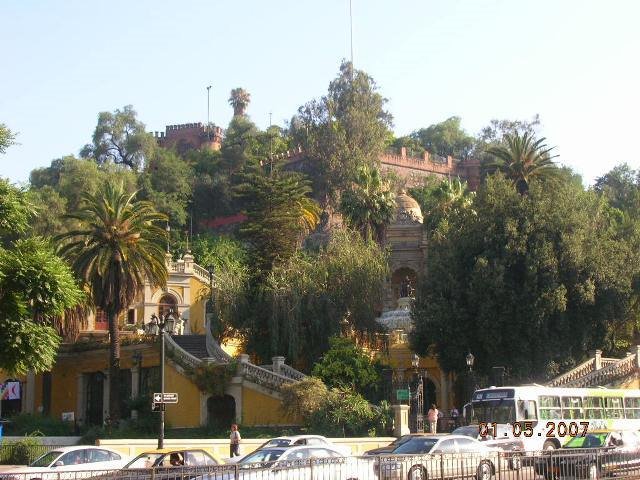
499	411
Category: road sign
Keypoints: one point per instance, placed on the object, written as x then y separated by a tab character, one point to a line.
402	394
168	398
157	407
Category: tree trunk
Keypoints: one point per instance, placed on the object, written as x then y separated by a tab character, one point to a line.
114	368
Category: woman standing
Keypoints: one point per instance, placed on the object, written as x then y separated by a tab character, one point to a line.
432	416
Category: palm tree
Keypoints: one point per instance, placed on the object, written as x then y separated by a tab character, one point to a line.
369	204
521	159
239	100
116	247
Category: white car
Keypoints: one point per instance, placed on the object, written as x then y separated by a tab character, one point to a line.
294	441
312	462
54	464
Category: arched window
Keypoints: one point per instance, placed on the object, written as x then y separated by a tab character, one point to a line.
167	302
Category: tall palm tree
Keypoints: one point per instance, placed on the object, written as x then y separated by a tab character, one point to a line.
116	247
369	204
239	100
521	159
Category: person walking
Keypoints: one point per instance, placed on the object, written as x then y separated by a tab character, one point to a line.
432	416
234	441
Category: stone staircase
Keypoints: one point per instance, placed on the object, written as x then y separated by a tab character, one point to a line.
196	345
600	371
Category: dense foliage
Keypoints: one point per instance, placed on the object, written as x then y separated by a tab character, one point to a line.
530	282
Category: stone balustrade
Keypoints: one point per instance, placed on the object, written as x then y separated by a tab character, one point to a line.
182	356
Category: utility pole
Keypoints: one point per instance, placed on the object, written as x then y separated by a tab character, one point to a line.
270	147
208	118
351	35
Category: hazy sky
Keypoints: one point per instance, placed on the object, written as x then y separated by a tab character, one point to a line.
576	63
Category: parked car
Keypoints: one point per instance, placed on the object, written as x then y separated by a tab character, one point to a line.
599	454
393	445
293	441
66	462
513	448
295	463
437	456
165	464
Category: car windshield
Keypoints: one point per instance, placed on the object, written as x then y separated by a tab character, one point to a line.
144	460
277	442
262	456
468	431
499	411
402	440
416	445
46	459
592	440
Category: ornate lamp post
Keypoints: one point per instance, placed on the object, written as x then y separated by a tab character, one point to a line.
158	325
470	359
419	395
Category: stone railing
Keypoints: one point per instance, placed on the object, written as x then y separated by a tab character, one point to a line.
215	351
574	374
291	373
181	355
608	374
201	273
261	376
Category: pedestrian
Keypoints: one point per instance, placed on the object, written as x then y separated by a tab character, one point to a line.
454	416
432	416
234	441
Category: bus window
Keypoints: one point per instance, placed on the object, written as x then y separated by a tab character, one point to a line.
527	410
632	407
550	408
593	408
613	407
572	407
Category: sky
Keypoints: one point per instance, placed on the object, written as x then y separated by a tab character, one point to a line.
576	63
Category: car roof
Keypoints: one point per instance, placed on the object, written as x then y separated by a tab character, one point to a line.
169	450
297	437
72	448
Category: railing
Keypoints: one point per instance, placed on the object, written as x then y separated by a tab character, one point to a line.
183	357
215	351
262	376
201	273
18	453
573	374
481	464
608	374
291	372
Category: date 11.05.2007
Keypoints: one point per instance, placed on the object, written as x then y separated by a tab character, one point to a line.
552	429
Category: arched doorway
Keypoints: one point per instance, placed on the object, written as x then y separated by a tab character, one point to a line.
221	411
398	279
167	303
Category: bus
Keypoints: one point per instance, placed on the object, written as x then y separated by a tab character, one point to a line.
547	417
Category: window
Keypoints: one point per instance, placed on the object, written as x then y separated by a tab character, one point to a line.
167	302
97	455
550	408
527	410
114	456
46	393
632	407
593	407
131	316
75	457
613	407
101	321
572	407
315	441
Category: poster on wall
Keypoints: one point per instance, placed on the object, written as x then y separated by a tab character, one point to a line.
10	390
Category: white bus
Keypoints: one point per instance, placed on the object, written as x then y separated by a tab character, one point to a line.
547	417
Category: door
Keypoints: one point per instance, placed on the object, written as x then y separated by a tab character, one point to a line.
95	398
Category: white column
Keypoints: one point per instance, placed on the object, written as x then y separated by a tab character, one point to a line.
400	420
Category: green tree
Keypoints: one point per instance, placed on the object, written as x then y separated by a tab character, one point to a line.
530	282
445	138
369	204
318	294
239	144
239	99
347	366
117	247
120	138
166	182
341	131
36	289
280	214
522	159
7	138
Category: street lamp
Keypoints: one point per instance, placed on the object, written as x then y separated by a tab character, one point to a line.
419	395
470	359
158	325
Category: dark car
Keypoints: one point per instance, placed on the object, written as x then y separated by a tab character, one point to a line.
393	445
598	454
513	448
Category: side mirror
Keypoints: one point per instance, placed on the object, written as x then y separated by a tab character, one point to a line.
59	463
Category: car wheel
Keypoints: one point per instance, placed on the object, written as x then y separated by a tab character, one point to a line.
484	471
549	445
515	463
594	472
417	472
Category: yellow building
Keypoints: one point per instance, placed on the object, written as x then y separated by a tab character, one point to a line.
77	388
